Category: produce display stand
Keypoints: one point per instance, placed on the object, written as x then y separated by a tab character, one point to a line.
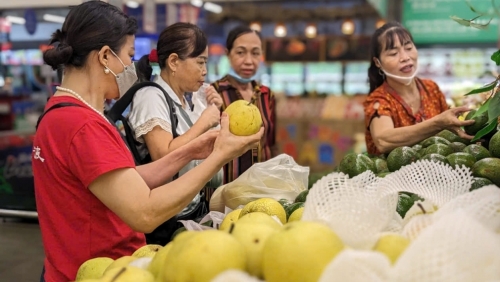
17	194
319	132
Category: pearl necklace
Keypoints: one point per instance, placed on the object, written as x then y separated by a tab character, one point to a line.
76	95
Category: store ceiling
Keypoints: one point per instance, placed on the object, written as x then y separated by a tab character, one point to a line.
6	4
240	10
286	11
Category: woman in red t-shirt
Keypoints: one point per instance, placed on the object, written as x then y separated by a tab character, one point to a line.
401	109
92	200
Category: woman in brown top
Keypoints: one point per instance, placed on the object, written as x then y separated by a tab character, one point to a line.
244	50
401	109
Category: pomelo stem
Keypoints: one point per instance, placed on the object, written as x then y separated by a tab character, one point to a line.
421	207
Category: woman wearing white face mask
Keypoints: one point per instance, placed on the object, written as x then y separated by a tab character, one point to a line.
92	200
401	109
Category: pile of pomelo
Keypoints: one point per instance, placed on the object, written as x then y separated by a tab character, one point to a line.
265	240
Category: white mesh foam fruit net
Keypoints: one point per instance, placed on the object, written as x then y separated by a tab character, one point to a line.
454	233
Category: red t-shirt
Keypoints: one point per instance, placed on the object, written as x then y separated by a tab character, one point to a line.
72	147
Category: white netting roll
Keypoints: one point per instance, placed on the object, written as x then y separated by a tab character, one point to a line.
354	265
350	207
482	204
395	225
454	248
436	182
416	225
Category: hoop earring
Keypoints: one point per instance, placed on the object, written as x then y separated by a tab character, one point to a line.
173	73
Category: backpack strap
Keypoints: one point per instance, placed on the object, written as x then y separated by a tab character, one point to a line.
116	112
56	106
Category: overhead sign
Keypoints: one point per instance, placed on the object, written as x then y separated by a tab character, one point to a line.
31	21
429	21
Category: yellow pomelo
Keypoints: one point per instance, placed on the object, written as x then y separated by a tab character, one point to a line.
244	118
93	268
266	205
147	251
157	264
230	218
121	262
260	218
202	256
127	274
253	236
392	245
299	252
296	215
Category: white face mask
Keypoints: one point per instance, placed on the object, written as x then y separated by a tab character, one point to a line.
126	78
406	80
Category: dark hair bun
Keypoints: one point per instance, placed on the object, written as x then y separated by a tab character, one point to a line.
59	55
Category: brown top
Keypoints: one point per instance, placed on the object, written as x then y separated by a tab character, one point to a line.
432	103
263	99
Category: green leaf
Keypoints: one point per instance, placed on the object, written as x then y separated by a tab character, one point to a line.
473	9
487	129
461	21
481	26
495	57
482	109
487	87
494	107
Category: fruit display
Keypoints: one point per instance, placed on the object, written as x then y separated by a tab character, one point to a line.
446	147
430	212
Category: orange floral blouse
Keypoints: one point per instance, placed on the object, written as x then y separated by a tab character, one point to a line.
432	103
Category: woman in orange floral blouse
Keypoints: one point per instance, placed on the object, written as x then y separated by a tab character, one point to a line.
401	109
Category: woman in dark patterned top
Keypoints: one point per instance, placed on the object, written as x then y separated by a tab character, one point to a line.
244	50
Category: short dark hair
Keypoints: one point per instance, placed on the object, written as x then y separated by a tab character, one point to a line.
184	39
237	32
384	36
88	27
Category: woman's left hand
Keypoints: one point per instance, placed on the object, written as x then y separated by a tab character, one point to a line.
213	97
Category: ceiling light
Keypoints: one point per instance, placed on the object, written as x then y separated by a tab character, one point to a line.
53	18
214	8
15	20
348	27
256	26
280	30
311	31
197	3
132	4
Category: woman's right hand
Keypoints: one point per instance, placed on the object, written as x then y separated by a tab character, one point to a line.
230	146
210	117
449	120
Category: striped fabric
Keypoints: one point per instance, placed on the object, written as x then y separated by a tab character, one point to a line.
264	100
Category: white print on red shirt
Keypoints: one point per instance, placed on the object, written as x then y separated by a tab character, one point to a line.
37	156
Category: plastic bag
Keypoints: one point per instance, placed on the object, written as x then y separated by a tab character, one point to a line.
214	216
278	178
